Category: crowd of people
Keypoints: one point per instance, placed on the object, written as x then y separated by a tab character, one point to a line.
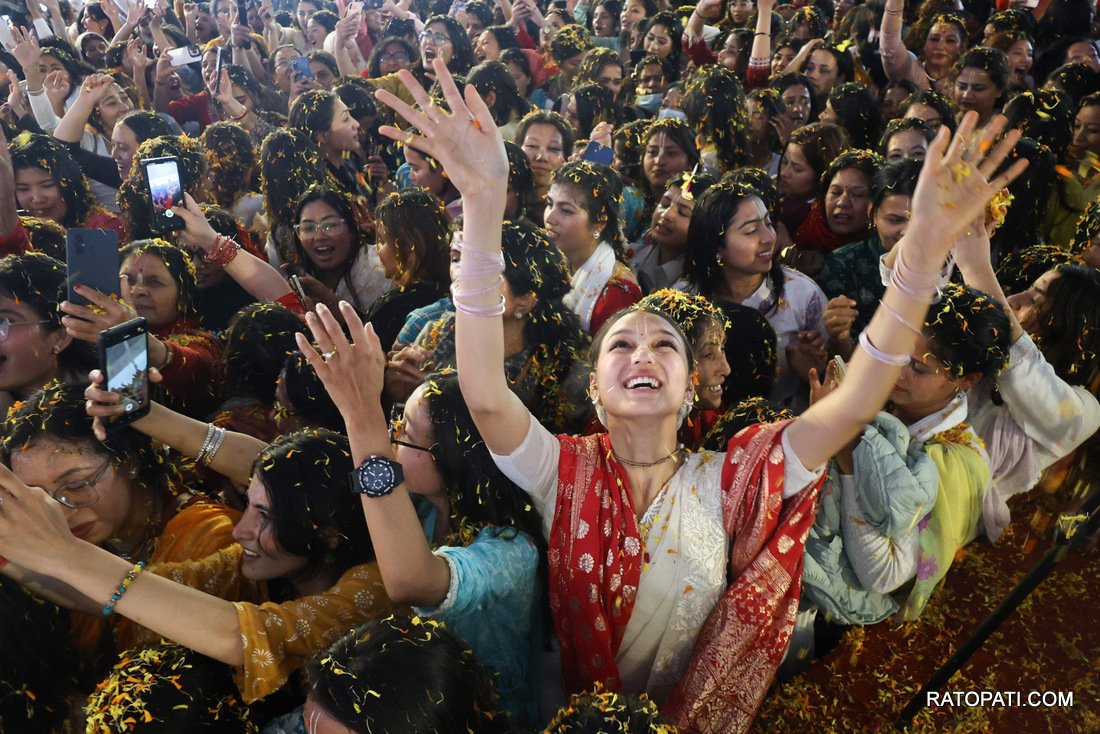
523	366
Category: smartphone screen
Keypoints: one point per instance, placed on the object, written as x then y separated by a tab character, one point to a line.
7	40
165	191
124	351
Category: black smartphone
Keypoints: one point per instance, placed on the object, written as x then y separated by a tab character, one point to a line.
165	191
91	259
218	71
296	286
300	65
242	12
124	359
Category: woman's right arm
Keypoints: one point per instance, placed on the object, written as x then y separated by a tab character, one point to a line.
897	61
469	146
35	535
233	459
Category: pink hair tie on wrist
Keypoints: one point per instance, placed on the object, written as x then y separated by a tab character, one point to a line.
891	360
478	263
899	318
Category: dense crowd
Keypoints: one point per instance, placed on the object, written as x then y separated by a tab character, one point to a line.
518	366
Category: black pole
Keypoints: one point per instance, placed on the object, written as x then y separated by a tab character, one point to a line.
1076	534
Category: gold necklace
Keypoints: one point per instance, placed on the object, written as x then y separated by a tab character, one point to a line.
645	464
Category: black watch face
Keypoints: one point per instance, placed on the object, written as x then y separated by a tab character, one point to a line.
377	476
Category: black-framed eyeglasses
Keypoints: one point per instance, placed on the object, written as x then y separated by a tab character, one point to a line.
82	493
399	56
6	324
397	428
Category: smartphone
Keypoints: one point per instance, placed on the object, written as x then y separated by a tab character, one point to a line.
596	153
218	72
184	55
124	359
300	65
7	40
296	286
839	368
92	260
165	191
242	12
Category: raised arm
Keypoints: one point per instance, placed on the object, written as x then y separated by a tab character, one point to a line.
235	454
259	278
94	88
352	374
953	189
469	146
35	535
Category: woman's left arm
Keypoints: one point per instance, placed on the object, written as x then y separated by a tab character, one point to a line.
35	535
352	372
957	181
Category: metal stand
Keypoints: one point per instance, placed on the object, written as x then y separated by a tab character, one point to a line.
1072	531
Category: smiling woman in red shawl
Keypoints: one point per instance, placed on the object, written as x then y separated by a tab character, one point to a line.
644	538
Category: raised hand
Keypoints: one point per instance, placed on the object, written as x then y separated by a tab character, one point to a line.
957	181
58	88
351	370
103	405
27	51
94	88
465	140
137	56
33	530
197	231
86	322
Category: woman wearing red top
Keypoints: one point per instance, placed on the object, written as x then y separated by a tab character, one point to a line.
49	184
158	283
582	220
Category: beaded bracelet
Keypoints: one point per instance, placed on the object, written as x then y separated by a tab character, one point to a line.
123	587
891	360
225	249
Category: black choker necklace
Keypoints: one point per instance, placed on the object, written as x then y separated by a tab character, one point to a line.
644	464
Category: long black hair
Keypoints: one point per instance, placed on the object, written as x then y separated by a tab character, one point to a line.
713	213
258	340
312	512
405	674
714	102
29	150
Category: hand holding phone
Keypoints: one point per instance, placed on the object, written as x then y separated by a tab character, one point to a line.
165	192
124	360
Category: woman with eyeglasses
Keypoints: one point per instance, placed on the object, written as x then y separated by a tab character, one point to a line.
486	574
120	493
302	535
390	56
334	260
34	346
443	38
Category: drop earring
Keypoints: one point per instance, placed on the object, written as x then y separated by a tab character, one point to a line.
719	261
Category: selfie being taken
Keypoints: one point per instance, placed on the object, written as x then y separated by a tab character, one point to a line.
429	367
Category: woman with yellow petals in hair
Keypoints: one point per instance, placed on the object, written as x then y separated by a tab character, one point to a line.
301	534
158	283
50	184
582	220
630	611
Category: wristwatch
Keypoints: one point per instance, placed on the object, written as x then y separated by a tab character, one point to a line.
376	477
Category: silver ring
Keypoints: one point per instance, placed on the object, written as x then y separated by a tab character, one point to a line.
328	355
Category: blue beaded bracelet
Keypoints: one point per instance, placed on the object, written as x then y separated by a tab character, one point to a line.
127	580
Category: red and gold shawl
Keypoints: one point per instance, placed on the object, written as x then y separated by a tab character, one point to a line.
596	561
